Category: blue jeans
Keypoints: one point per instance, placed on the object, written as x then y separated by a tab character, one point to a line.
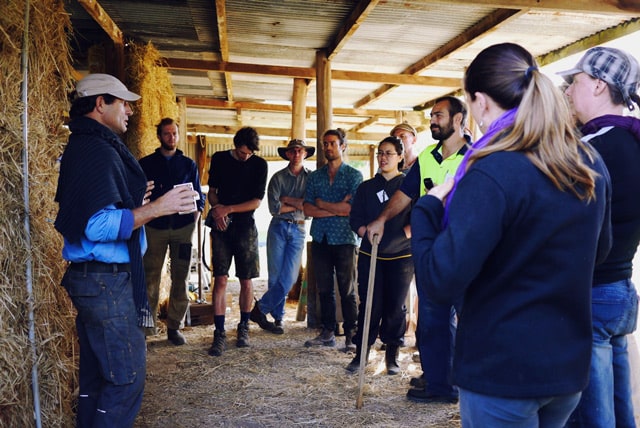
340	259
112	348
436	338
481	411
607	400
285	242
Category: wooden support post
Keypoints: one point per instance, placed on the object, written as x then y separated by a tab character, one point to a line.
372	160
323	101
201	156
299	105
182	119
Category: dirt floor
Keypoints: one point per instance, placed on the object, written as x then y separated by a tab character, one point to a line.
276	382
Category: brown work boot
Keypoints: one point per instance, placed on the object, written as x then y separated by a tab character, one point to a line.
219	344
243	335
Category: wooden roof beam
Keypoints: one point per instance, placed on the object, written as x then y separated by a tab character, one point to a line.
474	32
244	105
351	25
307	73
221	20
599	38
103	19
596	39
621	7
364	124
311	134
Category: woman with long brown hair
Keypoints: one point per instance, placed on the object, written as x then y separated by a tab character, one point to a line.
515	235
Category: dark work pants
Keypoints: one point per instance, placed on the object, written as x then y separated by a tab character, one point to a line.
339	259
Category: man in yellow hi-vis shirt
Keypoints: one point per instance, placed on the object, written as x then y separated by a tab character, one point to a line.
434	336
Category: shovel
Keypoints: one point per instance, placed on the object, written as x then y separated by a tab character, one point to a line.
367	320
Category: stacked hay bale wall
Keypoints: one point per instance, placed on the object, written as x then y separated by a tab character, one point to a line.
152	83
49	81
158	100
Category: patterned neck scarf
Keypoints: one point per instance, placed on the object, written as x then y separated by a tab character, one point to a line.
504	121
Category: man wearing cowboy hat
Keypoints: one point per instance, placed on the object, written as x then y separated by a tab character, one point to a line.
286	234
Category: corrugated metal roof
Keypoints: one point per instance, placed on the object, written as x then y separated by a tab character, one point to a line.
390	37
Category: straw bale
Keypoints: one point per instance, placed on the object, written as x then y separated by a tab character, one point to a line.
49	80
158	100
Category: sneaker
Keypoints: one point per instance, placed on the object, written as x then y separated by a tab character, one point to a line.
259	318
176	337
278	327
325	338
219	344
243	335
422	396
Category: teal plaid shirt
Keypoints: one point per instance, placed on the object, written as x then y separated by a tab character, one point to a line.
336	229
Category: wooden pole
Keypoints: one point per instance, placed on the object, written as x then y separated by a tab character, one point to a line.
299	105
364	339
323	100
372	160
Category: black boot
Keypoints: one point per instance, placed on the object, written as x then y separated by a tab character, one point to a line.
391	358
259	318
354	365
349	346
219	344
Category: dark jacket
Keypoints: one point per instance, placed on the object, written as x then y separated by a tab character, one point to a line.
521	253
167	172
98	170
620	150
369	201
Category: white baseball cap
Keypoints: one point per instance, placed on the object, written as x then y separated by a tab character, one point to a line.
98	84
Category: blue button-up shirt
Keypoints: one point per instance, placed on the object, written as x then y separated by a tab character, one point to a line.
335	229
105	238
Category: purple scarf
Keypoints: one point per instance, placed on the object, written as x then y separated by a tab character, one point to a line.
502	122
631	124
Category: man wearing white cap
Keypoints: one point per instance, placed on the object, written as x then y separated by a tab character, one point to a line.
102	195
601	85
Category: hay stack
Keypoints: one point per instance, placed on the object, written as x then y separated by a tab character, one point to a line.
49	81
158	100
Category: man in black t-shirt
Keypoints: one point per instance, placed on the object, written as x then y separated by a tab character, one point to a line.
237	182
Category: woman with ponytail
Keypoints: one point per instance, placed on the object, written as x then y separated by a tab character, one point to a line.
515	235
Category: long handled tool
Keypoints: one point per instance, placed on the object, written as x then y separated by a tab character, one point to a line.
364	341
200	293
